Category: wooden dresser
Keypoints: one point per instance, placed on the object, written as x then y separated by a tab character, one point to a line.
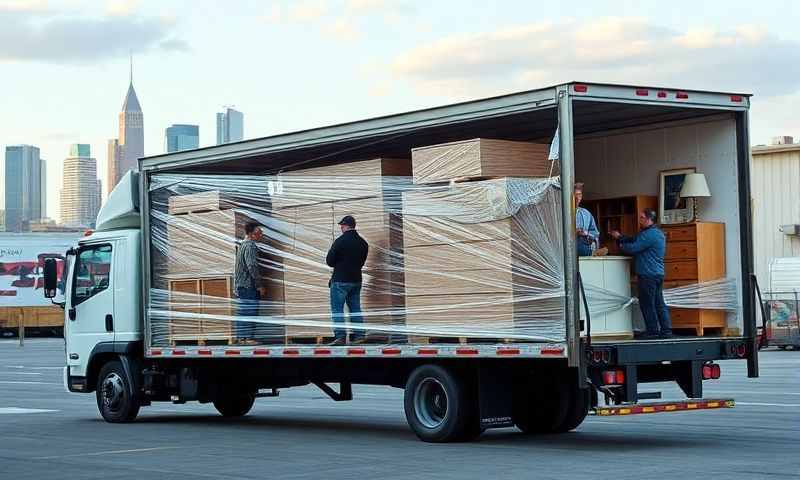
695	253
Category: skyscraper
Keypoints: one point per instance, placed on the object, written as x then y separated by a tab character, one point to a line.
230	126
181	137
130	144
80	195
24	185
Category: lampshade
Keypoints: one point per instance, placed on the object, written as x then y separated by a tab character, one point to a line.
694	185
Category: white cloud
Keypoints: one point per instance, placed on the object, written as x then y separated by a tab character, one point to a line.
23	5
625	50
122	8
307	10
49	36
343	28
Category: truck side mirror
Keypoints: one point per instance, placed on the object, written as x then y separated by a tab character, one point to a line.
50	278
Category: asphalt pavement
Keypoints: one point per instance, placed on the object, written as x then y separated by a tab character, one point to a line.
48	433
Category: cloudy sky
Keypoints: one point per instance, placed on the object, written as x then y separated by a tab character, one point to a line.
292	65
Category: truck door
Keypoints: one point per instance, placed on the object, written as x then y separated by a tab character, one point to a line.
90	306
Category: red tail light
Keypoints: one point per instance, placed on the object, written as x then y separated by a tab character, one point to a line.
641	92
613	377
741	350
711	371
661	94
736	98
682	95
580	88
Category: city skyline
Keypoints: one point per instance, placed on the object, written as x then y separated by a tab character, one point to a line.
358	59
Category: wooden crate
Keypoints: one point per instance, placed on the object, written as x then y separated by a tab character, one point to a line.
480	157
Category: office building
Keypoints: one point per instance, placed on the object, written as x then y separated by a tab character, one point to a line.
181	137
80	194
125	151
24	185
230	126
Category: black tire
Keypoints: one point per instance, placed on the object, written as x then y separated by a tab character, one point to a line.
116	398
540	406
439	406
577	411
235	405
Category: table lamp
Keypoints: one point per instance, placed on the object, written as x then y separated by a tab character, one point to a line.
695	186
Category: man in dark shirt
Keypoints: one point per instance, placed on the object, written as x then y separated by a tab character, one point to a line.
648	250
347	256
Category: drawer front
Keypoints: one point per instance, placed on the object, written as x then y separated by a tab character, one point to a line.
678	283
680	251
684	317
680	271
680	234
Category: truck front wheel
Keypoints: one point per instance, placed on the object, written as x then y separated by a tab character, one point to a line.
235	404
116	399
439	407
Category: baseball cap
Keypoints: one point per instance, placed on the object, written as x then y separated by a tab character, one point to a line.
349	221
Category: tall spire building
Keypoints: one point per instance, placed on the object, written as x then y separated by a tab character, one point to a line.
124	152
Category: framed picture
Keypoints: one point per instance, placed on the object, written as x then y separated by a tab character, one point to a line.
672	208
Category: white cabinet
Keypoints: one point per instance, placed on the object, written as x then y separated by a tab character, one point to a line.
608	293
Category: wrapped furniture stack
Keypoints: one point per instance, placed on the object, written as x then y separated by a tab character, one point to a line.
476	260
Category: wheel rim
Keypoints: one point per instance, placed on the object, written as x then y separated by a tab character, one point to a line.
431	403
113	392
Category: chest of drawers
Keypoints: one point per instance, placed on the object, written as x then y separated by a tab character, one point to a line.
695	253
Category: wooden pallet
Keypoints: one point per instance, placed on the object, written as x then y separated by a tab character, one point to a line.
427	340
200	341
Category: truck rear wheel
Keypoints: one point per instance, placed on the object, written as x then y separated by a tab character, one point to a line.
540	405
235	405
439	407
576	412
116	398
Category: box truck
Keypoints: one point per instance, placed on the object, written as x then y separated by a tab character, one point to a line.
473	299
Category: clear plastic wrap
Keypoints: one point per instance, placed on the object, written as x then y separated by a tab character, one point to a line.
473	260
477	260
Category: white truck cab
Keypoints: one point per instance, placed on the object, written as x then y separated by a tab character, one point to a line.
102	300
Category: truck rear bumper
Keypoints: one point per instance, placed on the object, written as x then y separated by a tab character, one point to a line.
663	407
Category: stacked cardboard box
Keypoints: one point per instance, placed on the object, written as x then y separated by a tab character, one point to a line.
310	204
202	241
473	260
478	158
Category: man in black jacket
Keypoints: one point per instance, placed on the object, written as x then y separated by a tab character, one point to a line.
347	256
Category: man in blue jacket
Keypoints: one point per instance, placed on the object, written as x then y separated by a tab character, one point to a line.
648	250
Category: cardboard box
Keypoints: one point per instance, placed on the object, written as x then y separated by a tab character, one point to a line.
367	178
479	157
201	202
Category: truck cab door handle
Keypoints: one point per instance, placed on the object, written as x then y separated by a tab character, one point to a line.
109	323
71	313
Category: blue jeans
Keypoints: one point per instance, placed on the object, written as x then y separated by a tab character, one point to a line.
346	293
247	307
584	248
651	302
